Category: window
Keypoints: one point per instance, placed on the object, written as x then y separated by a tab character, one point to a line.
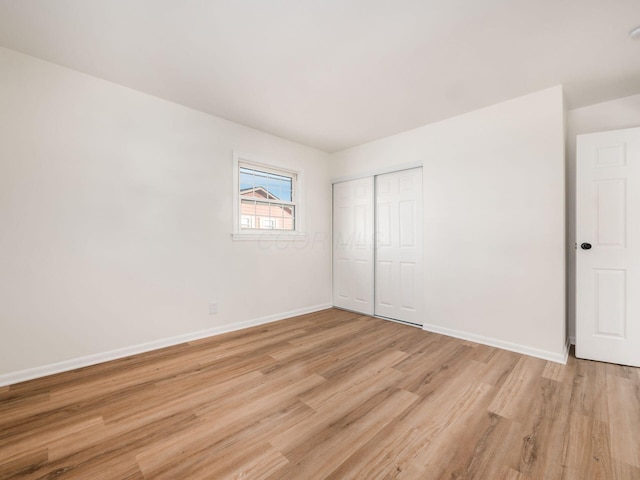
266	199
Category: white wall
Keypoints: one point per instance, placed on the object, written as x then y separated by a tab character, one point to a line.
613	115
494	201
116	220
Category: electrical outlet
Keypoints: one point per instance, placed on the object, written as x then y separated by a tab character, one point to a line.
213	308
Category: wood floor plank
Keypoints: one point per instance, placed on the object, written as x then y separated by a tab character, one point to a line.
496	447
331	394
241	450
624	471
166	402
587	453
428	372
23	465
547	423
561	373
350	382
335	409
511	474
318	456
498	368
38	440
258	464
218	424
514	399
623	400
385	455
119	442
20	406
444	430
589	395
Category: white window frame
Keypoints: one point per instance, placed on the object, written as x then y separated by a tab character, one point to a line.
251	161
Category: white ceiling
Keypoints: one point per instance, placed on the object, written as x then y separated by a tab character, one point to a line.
337	73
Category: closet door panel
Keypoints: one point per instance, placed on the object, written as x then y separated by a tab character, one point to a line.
353	268
398	253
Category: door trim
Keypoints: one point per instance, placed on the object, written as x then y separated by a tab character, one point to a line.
378	171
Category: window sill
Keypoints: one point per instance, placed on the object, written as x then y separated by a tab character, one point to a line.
269	237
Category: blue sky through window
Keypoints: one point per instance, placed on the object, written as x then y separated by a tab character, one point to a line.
279	186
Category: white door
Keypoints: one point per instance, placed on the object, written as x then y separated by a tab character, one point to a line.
353	245
398	273
608	247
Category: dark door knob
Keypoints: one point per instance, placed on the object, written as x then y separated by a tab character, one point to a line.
585	246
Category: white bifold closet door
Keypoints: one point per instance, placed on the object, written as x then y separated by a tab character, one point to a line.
353	245
377	255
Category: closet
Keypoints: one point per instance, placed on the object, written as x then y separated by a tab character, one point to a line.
377	245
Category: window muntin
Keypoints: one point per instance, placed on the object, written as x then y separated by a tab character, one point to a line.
267	199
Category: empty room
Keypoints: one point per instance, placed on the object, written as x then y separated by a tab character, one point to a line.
320	239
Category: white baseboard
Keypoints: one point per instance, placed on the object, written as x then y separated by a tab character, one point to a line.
493	342
72	364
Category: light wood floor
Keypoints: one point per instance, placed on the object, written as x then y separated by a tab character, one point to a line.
327	395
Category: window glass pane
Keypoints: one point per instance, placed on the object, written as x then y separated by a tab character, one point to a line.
262	213
275	213
258	184
247	214
289	222
247	183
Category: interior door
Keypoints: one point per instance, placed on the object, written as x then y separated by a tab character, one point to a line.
608	247
398	272
353	245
